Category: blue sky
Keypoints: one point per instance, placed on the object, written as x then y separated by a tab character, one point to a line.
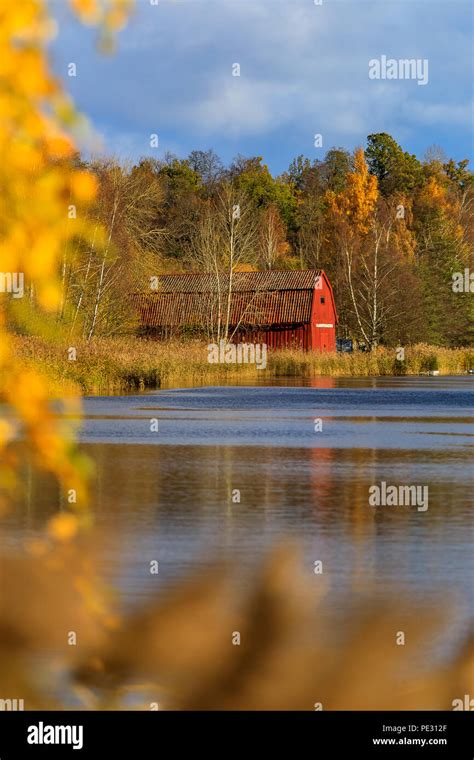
303	71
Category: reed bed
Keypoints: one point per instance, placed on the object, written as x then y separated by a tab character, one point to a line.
129	363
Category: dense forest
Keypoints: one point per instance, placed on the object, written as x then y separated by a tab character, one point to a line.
393	233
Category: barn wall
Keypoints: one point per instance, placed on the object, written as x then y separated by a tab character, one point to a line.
323	338
297	336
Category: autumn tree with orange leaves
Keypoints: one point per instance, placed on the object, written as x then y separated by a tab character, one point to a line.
374	246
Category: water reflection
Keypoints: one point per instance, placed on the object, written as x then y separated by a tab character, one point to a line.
175	504
171	496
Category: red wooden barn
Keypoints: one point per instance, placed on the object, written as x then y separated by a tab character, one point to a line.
279	308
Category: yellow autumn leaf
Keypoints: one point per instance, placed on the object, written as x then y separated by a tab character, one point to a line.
87	10
6	432
83	186
59	146
63	527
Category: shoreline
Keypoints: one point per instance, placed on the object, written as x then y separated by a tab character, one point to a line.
127	364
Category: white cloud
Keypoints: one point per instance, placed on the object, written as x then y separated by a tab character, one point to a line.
304	69
239	106
432	114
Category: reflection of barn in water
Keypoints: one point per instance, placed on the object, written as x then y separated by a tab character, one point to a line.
279	308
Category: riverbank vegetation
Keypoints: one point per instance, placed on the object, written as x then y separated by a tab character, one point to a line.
123	364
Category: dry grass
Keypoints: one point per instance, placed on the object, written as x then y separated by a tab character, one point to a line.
129	363
181	650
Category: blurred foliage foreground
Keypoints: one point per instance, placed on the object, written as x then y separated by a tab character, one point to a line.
215	643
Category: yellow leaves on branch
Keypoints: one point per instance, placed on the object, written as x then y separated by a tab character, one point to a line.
435	197
38	186
357	202
87	10
36	181
48	437
111	13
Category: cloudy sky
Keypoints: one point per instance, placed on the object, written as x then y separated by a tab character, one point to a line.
303	71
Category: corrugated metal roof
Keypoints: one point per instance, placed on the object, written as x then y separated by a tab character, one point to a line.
246	308
241	281
257	299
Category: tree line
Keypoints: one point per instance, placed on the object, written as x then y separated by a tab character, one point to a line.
391	232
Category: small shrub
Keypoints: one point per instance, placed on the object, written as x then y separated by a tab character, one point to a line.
430	363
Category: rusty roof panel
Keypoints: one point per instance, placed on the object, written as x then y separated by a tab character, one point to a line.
257	299
246	308
273	280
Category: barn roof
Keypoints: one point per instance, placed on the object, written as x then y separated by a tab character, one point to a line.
241	281
258	299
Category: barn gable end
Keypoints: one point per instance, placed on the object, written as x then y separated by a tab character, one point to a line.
323	316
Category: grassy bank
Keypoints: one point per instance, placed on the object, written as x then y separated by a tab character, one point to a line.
120	364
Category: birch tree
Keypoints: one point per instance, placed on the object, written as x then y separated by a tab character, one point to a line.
123	256
272	242
224	238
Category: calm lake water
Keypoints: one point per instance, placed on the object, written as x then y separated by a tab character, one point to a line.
168	493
